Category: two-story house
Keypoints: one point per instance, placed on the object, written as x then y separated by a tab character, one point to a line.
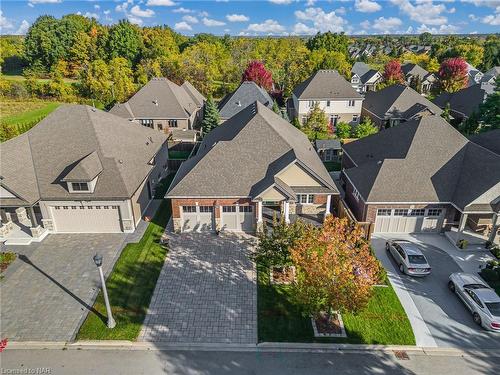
164	106
364	78
415	74
333	93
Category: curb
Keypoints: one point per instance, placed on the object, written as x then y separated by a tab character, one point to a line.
261	347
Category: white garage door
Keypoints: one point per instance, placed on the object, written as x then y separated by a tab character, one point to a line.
238	218
86	219
408	221
198	218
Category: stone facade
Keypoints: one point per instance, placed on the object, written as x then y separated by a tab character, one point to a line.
317	207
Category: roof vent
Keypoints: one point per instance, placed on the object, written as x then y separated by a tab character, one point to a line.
93	109
238	103
120	161
379	162
151	139
155	102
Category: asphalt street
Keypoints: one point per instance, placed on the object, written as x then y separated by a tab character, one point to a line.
151	362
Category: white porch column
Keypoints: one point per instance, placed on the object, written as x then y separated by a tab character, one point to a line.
259	212
494	227
287	212
463	221
328	202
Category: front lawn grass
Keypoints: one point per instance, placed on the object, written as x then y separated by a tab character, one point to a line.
130	285
383	321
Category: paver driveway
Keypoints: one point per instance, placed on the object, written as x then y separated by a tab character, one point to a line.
49	293
206	292
438	317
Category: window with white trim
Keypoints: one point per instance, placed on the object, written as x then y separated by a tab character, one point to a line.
384	212
400	212
305	198
356	195
434	212
207	209
148	123
172	123
350	103
228	208
417	212
80	186
246	208
189	209
328	103
355	118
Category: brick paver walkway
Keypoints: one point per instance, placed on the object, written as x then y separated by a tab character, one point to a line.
49	293
206	292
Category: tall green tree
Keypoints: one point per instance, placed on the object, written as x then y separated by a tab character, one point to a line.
329	41
489	111
121	79
343	130
124	41
316	122
491	56
95	81
211	116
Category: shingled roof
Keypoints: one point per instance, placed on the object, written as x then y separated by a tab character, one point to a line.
247	93
77	142
414	70
466	101
425	160
489	140
397	101
326	84
160	98
363	71
241	157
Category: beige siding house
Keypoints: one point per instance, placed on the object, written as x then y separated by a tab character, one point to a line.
336	96
162	105
80	170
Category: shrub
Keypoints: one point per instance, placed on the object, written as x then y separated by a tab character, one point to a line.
496	252
462	244
490	275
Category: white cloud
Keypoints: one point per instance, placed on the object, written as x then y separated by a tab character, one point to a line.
268	26
237	18
134	19
183	26
190	19
367	6
211	23
424	11
88	15
203	14
23	28
409	30
182	10
303	29
310	3
281	2
443	29
160	3
5	23
386	25
492	19
96	6
33	2
138	12
123	6
473	17
340	11
365	24
106	12
321	20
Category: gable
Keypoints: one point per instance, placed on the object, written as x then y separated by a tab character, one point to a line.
4	193
271	194
293	175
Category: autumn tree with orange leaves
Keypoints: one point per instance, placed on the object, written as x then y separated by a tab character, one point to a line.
335	268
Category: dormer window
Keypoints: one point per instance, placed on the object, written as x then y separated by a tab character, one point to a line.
80	186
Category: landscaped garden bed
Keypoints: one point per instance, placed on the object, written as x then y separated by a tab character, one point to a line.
328	325
282	275
130	285
6	258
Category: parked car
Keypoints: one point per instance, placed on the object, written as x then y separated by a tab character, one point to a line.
479	298
409	257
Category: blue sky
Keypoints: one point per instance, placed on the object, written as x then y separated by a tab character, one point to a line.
271	17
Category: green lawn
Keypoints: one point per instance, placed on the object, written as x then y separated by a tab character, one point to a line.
21	78
178	154
23	115
384	321
130	285
332	166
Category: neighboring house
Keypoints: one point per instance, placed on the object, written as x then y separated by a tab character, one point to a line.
464	102
247	93
489	140
334	94
491	75
163	105
328	149
253	164
421	177
395	104
80	170
474	75
364	78
414	71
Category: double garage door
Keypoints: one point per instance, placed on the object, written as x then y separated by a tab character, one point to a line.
233	218
390	220
86	219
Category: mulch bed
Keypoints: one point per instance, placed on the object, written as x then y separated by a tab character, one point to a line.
6	259
328	325
283	275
